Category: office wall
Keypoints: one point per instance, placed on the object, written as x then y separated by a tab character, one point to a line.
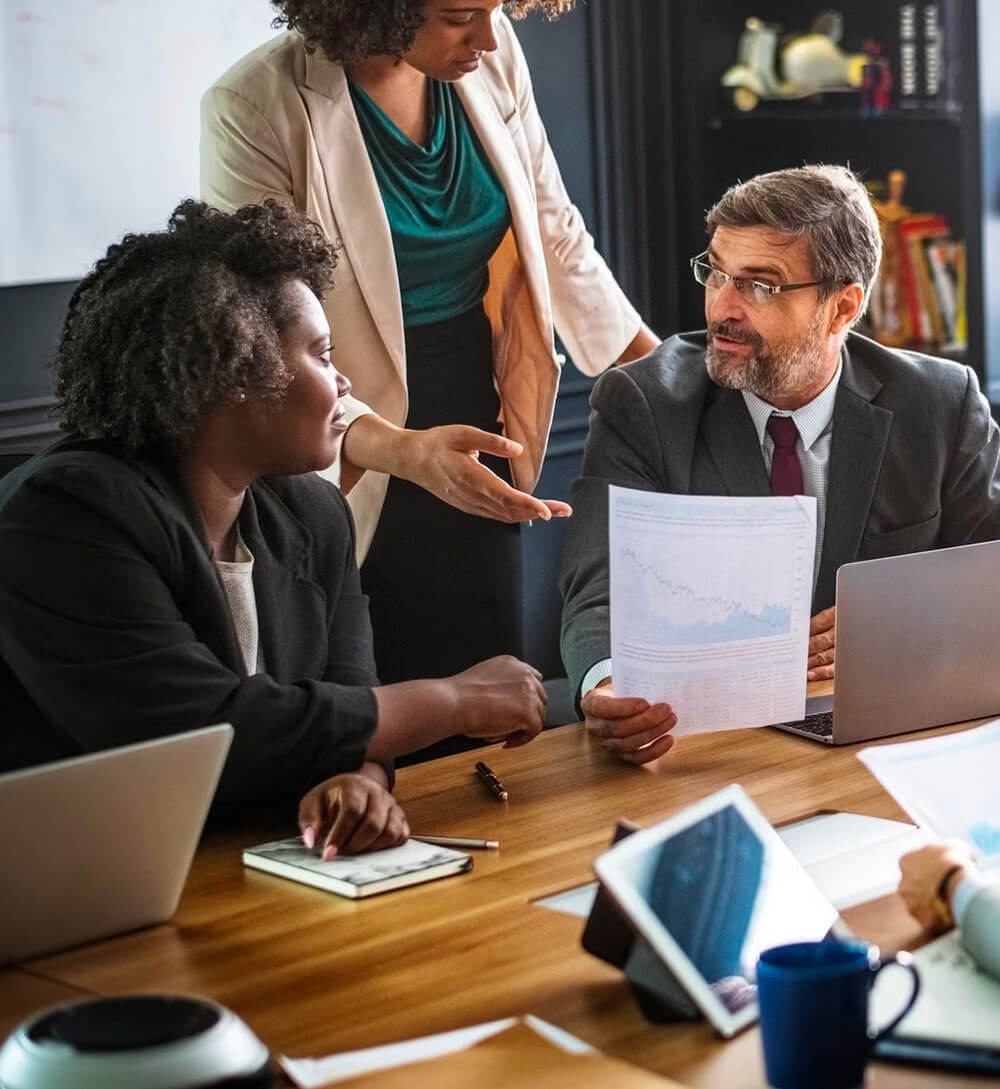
98	135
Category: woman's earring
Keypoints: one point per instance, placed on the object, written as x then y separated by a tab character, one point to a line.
241	396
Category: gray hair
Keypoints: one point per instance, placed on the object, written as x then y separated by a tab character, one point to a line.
826	205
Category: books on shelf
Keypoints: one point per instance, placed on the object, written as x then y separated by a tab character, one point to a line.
919	300
926	325
946	260
929	54
355	876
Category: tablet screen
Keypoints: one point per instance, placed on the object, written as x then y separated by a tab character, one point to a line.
724	892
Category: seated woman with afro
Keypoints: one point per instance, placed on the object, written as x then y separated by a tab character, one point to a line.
174	561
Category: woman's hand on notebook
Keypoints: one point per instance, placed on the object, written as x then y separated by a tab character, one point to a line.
350	814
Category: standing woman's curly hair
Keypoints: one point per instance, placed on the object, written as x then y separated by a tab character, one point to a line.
171	324
350	30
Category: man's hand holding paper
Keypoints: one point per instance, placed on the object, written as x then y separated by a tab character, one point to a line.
628	727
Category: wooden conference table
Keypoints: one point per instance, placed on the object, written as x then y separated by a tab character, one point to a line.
314	974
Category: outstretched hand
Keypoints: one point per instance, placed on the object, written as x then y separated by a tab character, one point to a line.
445	461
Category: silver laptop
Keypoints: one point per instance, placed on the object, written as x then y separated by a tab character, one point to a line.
102	843
918	645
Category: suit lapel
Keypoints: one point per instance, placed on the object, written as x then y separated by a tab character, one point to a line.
215	621
731	441
291	608
860	435
352	195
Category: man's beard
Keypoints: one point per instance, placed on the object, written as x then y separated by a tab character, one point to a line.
773	370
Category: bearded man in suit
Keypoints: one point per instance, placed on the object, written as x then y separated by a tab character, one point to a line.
778	396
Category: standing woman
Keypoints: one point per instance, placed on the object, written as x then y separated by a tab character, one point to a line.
408	131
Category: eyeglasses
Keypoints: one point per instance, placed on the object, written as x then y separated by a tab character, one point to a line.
753	291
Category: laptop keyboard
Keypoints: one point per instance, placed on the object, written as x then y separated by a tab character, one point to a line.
820	725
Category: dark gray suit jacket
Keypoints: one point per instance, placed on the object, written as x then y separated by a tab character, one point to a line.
913	465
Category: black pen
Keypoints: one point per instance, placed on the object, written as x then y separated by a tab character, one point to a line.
487	776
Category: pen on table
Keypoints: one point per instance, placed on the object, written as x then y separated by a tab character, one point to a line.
496	787
459	841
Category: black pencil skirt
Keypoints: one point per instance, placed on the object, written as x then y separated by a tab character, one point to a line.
444	586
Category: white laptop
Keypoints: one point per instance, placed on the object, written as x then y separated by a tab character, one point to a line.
918	645
100	844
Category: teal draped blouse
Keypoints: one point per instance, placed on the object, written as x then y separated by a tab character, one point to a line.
446	208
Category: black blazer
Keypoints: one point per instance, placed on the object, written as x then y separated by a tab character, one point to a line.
914	465
114	627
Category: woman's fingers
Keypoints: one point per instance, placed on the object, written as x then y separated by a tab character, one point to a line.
370	823
356	814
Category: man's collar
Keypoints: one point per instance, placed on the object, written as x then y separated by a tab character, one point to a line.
811	419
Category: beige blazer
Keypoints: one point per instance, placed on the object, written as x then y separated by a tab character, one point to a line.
281	123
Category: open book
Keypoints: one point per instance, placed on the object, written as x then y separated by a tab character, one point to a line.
358	875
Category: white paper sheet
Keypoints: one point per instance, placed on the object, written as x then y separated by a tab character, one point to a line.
576	901
710	602
948	785
958	1002
352	1064
852	858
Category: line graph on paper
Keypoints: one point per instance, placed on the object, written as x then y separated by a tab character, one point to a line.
709	602
678	607
683	587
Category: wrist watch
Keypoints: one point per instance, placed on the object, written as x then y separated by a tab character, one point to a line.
941	904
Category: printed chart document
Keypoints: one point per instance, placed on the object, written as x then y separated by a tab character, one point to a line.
710	605
947	785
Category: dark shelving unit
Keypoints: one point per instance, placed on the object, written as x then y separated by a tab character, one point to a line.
938	146
768	114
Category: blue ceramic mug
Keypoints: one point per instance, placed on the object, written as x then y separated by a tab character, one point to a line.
813	999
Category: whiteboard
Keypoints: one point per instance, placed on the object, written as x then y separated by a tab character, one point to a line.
99	119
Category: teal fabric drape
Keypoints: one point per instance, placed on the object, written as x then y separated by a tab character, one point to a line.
446	208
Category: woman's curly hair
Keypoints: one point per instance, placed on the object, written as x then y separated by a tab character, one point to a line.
350	30
171	323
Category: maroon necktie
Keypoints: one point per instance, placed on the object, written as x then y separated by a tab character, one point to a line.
786	472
